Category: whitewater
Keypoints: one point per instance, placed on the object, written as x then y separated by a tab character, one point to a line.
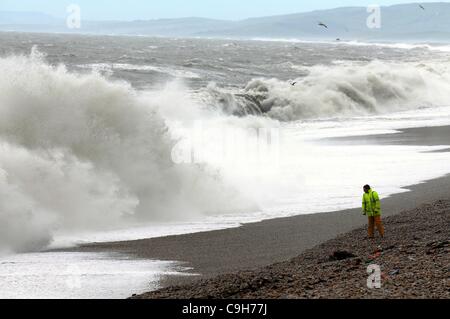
100	140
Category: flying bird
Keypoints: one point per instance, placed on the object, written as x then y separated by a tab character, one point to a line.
422	7
323	25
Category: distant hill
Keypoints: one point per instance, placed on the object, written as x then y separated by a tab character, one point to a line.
399	22
162	27
25	18
407	21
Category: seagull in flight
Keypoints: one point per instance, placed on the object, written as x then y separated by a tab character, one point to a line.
323	25
422	7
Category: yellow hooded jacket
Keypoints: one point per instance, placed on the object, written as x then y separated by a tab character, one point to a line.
371	204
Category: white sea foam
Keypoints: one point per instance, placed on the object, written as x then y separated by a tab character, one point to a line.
392	45
350	89
80	153
80	276
403	46
110	67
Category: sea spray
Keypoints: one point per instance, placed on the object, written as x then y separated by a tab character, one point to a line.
82	153
340	91
79	152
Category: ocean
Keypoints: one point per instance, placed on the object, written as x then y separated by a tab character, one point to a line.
106	138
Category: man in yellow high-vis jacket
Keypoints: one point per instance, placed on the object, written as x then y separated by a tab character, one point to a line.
372	209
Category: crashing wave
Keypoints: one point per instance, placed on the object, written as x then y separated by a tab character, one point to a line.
343	90
79	153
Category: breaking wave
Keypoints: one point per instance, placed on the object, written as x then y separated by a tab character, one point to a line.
78	152
342	90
